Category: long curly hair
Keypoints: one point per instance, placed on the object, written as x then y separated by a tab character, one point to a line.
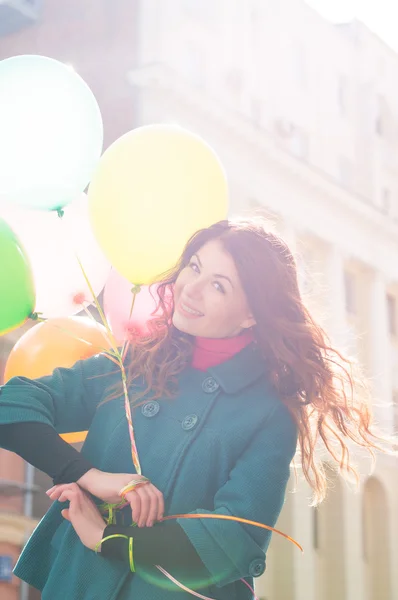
328	402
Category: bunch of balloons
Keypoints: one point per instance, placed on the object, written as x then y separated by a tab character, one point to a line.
60	247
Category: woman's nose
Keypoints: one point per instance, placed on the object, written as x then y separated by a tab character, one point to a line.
194	289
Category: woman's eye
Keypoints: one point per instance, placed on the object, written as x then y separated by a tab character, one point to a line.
219	287
194	267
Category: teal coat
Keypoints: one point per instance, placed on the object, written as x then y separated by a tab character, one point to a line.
222	446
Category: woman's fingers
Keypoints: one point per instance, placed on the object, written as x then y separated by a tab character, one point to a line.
135	502
70	494
56	492
160	504
65	514
147	505
146	501
153	508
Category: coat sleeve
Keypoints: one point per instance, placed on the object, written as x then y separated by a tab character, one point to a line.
255	490
66	400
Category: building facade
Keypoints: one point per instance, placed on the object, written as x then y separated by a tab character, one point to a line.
303	115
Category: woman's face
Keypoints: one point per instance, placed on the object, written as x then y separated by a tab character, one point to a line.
208	297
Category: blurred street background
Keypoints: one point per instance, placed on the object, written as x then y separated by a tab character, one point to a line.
300	101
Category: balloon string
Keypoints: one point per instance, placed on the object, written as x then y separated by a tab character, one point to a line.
60	212
72	335
134	451
134	290
107	506
181	585
119	357
112	352
99	309
192	592
250	588
89	314
238	520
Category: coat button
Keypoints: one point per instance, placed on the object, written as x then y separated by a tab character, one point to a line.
257	567
210	385
189	422
150	409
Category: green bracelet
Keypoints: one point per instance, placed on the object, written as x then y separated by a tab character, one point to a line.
109	537
131	556
119	535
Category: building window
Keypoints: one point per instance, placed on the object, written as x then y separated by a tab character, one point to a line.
392	314
395	408
299	144
256	111
346	172
394	207
6	566
342	95
384	123
299	65
379	121
305	276
201	10
294	139
364	531
386	201
193	65
234	82
315	528
350	292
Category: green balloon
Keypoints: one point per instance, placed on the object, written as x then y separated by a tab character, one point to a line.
17	289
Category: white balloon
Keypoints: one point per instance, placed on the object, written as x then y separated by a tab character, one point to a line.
54	246
51	132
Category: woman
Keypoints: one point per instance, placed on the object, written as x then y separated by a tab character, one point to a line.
232	377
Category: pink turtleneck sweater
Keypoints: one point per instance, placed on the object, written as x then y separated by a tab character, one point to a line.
210	352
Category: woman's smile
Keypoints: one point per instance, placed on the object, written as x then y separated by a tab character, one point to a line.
188	311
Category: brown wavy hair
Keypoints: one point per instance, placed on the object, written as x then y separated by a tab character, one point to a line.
328	402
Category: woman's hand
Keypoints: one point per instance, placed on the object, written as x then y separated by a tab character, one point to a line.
83	514
147	503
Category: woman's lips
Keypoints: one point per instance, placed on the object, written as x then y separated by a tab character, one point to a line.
189	311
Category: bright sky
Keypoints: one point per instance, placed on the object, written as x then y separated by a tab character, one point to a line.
381	16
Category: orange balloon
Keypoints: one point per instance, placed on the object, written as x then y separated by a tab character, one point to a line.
75	437
58	342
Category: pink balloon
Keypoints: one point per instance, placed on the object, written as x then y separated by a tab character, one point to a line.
53	246
117	301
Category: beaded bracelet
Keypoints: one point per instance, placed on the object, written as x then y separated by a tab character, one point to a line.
119	535
133	485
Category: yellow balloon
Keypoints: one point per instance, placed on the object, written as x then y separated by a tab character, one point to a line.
153	188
